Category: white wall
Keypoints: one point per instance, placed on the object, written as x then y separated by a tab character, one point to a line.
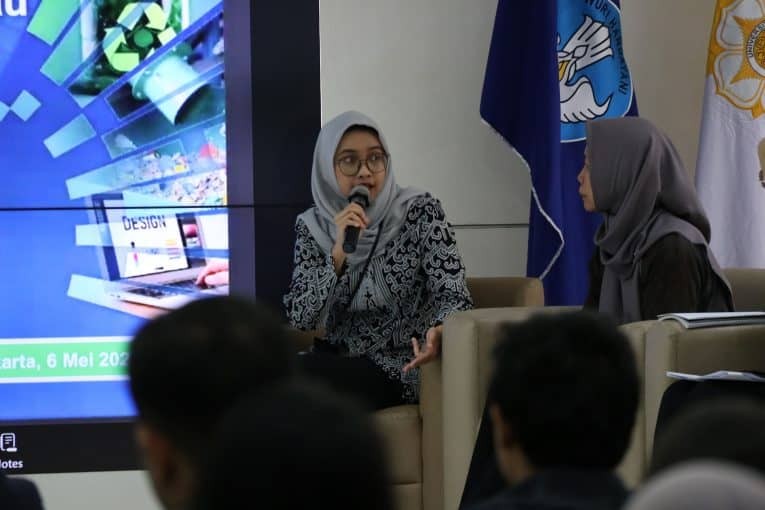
119	490
665	43
417	67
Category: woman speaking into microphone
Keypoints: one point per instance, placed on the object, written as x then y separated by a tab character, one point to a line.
382	300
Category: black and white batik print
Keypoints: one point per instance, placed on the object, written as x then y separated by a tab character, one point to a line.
411	285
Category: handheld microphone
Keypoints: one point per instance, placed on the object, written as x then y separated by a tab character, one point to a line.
359	195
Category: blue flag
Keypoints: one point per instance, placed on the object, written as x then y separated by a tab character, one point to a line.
553	65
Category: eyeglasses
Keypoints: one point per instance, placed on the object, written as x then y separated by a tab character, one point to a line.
350	165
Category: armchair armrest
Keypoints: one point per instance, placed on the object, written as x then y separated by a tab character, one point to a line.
635	462
469	337
669	346
431	411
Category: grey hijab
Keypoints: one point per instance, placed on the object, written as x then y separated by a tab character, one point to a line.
388	209
641	187
700	485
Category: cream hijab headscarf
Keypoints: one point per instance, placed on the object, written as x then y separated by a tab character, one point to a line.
388	209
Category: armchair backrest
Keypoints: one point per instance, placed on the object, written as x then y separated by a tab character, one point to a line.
495	292
486	293
469	338
748	287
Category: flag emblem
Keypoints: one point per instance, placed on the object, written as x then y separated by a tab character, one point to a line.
730	173
553	65
737	54
593	77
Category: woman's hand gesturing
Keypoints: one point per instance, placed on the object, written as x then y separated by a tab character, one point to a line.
429	351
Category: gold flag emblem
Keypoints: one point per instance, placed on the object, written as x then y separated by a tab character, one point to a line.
737	53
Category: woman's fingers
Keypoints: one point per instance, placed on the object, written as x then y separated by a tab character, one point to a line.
357	209
216	279
433	342
418	361
357	218
421	356
203	274
354	219
352	215
417	355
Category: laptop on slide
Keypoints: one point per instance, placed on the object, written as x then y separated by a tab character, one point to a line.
149	256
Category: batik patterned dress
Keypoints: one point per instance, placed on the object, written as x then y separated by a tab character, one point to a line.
412	284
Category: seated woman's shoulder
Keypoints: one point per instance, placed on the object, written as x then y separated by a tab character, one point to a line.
300	225
674	243
425	208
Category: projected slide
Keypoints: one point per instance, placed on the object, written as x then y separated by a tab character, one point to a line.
113	197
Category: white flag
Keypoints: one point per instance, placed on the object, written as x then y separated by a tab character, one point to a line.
729	175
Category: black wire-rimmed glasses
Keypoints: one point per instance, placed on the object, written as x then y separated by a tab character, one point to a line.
350	165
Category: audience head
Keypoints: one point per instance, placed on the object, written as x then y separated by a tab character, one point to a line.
186	369
631	169
292	447
563	394
701	485
731	430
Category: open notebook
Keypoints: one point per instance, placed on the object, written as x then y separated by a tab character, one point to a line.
720	375
708	320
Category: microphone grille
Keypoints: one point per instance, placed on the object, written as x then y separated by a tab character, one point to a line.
359	194
360	190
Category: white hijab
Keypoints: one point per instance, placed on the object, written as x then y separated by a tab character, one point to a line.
388	209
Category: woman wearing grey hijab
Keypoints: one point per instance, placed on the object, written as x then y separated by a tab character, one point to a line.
391	295
701	485
652	250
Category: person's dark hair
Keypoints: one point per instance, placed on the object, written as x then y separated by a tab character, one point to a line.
722	429
293	446
364	129
568	387
188	366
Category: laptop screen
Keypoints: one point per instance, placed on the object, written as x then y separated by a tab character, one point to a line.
144	242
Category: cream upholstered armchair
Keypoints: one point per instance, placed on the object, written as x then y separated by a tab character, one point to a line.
663	346
748	287
658	346
469	338
669	346
413	434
